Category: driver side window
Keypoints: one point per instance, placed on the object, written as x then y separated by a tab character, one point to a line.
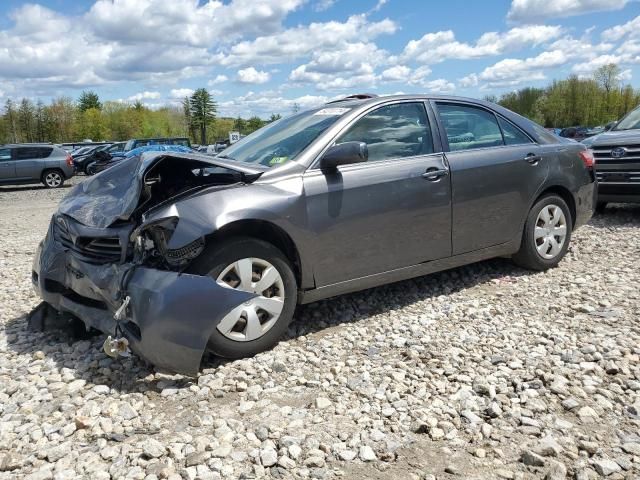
399	130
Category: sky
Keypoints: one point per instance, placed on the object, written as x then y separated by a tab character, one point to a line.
259	57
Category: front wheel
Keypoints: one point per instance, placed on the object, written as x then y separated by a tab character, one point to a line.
250	265
546	236
52	179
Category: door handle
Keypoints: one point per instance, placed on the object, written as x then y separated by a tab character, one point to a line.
434	174
532	158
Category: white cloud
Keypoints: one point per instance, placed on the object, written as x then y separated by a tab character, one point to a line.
264	104
251	75
186	22
301	41
219	79
398	73
513	71
144	96
439	86
180	93
439	46
527	11
631	28
322	5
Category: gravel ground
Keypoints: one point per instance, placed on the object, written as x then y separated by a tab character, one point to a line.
486	371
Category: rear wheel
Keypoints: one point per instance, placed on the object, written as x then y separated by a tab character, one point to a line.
546	236
52	178
250	265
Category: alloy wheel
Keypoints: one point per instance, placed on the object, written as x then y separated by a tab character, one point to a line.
550	232
53	179
255	317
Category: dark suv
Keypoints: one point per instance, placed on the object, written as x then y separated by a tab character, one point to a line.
618	161
37	163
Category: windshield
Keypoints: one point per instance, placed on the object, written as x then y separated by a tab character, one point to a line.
283	140
630	122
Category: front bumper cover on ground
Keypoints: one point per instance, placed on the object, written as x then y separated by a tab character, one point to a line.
170	317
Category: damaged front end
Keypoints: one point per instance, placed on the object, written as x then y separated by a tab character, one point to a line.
115	254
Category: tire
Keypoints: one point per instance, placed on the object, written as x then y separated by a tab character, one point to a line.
215	260
52	178
600	207
87	169
540	248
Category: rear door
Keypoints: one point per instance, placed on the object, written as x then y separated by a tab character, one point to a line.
30	162
390	212
496	170
7	164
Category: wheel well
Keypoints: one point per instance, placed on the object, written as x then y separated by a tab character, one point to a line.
566	195
267	232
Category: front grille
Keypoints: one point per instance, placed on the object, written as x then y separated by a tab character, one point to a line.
90	249
603	153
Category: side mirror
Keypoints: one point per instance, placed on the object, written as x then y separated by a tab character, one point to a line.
344	154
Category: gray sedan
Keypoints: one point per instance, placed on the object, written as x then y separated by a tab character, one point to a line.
176	254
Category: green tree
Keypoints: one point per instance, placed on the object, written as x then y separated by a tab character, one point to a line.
274	117
26	116
11	119
203	111
240	125
253	124
608	76
89	99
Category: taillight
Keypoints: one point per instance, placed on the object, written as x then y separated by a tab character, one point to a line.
69	160
588	159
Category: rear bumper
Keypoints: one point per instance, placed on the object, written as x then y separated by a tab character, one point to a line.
170	317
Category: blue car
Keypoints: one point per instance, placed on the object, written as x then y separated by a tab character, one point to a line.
107	162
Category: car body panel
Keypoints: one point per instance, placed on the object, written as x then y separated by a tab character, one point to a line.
356	227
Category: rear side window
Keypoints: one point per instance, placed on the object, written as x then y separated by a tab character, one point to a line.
400	130
5	154
30	153
469	127
512	134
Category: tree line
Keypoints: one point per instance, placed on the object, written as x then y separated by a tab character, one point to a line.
67	120
575	101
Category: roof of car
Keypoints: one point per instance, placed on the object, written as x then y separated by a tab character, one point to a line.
13	145
360	99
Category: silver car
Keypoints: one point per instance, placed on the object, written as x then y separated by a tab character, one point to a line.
34	163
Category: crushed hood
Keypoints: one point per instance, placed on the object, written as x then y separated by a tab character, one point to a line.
114	194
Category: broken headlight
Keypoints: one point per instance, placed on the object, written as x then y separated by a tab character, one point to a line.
154	237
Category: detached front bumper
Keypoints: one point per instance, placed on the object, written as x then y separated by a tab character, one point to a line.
170	316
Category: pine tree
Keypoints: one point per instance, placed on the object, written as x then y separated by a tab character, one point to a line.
203	111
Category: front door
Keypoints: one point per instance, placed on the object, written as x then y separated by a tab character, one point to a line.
7	165
390	212
496	170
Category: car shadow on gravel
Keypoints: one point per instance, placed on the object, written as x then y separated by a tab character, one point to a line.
81	355
617	215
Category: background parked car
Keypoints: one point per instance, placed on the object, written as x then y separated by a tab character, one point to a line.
617	152
82	163
141	142
107	161
34	163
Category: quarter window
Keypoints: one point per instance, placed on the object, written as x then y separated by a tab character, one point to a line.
512	134
394	131
469	127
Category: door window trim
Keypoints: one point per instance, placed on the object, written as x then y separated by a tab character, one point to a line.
437	146
443	133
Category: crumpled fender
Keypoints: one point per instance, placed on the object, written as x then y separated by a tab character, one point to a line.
177	314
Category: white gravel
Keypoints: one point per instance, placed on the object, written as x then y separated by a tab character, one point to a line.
486	371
